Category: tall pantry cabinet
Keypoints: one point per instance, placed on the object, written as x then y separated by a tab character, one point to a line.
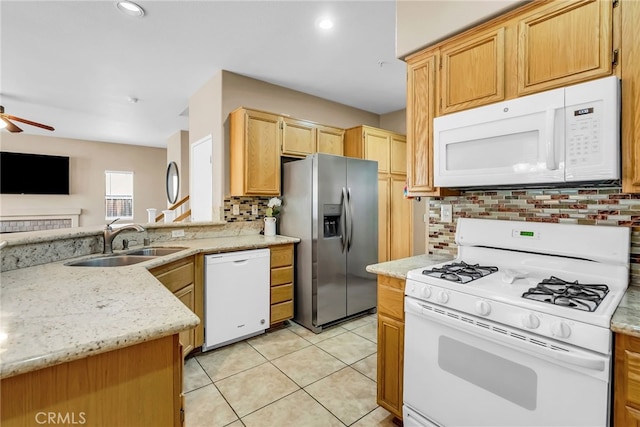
389	149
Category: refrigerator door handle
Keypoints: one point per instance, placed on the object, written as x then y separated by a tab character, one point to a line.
350	224
343	219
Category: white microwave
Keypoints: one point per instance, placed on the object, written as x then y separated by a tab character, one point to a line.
568	135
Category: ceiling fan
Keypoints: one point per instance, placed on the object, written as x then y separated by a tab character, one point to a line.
5	122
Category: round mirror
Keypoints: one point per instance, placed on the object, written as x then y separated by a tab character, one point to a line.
173	182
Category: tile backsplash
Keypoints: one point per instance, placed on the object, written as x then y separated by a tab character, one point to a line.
598	207
245	203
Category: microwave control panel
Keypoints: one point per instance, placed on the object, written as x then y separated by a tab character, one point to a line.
584	135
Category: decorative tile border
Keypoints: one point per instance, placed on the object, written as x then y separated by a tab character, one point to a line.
14	226
245	203
603	206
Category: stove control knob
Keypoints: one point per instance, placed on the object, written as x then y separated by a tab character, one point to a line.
560	330
426	292
483	308
443	297
530	321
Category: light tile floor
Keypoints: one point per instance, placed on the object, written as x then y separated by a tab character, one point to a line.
289	377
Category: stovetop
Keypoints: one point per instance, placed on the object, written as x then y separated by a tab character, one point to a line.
517	275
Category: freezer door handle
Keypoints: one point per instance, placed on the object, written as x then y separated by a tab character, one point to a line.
350	220
343	219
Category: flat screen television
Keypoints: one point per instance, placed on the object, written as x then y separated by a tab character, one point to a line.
23	173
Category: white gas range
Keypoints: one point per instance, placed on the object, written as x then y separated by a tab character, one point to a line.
517	326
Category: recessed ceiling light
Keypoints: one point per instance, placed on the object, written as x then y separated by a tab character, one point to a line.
130	8
325	23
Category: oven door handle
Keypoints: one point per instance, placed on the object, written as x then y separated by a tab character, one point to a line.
572	358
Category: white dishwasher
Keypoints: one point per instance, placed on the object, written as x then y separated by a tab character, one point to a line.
236	296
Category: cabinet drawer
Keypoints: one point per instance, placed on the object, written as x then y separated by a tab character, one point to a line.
177	278
281	293
282	275
281	255
282	311
391	282
391	302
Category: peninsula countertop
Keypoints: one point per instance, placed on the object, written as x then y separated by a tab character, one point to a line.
54	313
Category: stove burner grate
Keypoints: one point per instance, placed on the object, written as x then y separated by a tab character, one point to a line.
460	272
576	295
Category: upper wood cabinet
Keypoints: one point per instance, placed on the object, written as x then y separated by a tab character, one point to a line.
539	46
472	71
564	43
330	140
298	137
421	109
395	216
629	71
255	138
385	147
258	139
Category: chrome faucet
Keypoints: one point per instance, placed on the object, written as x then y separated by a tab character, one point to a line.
109	234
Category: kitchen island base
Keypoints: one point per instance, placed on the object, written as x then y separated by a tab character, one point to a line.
137	385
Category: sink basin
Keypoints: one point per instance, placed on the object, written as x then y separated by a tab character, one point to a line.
157	251
111	261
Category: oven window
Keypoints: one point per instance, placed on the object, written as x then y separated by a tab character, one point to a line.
502	377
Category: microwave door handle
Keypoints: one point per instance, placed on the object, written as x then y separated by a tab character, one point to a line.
550	122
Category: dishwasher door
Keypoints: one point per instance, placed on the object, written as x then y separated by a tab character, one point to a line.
236	296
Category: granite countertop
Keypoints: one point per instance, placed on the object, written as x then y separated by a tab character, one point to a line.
53	313
626	319
399	268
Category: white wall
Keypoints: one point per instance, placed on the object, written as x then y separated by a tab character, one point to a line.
178	151
205	118
88	161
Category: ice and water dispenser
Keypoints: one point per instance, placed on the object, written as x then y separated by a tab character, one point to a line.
331	220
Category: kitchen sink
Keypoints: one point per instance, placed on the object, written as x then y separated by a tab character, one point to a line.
160	251
111	261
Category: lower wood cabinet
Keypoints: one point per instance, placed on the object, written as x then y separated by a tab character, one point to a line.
138	385
185	279
626	394
281	283
390	343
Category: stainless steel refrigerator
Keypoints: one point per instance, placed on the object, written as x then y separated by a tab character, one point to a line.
331	204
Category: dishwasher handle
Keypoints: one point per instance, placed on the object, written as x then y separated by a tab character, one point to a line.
236	257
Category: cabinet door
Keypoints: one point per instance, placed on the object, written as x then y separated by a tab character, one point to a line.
390	361
564	43
472	72
255	153
630	74
298	137
626	399
188	337
376	147
330	140
400	233
398	154
384	184
420	113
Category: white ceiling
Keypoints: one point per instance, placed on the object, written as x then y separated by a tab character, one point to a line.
74	64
